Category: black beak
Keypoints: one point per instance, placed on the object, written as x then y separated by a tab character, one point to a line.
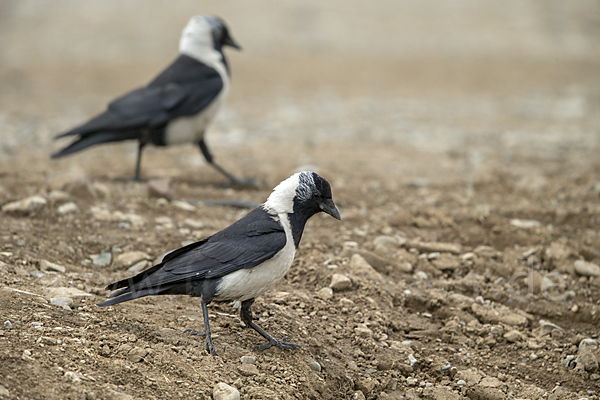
329	207
230	42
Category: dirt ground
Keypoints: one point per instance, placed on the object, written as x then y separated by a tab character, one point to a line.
466	261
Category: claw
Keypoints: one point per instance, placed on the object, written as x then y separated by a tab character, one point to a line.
282	344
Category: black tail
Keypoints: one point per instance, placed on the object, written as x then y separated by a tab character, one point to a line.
96	138
133	288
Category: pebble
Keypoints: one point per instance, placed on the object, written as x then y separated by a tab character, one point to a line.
193	223
8	324
4	392
223	391
65	302
588	343
412	360
26	206
48	266
462	382
68	208
340	282
160	188
182	205
525	223
315	366
138	267
325	293
37	274
102	259
72	377
585	268
58	196
587	361
248	360
411	381
63	291
363	332
130	258
248	369
359	395
136	354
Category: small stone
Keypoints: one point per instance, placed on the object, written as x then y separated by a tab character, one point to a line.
65	302
72	377
585	268
588	343
58	196
63	291
546	328
48	266
160	188
8	324
102	259
68	208
525	223
26	206
248	369
386	241
461	382
4	392
315	366
136	354
363	332
340	282
37	274
248	360
182	205
587	361
138	267
361	267
513	336
359	395
193	223
130	258
411	381
223	391
325	293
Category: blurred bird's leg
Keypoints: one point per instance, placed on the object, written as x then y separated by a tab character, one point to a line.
246	315
138	163
209	344
235	181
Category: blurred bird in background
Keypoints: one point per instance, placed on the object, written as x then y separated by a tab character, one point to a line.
177	106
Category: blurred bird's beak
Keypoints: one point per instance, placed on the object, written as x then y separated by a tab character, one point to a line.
329	207
230	42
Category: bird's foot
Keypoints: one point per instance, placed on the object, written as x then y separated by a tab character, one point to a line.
194	332
282	344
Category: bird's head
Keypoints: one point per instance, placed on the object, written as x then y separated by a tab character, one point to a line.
205	32
304	193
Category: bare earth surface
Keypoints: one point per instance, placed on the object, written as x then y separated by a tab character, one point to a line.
462	147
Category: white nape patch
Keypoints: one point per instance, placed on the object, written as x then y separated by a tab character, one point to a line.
246	284
281	200
197	42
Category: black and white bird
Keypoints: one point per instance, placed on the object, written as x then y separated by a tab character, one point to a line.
243	260
177	106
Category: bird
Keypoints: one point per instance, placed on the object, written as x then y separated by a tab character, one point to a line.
240	262
174	108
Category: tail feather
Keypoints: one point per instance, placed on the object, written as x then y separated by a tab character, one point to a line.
95	138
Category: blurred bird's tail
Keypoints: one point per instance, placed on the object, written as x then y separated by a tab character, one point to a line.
94	139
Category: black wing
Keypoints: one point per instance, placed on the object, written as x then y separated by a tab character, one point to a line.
245	244
186	87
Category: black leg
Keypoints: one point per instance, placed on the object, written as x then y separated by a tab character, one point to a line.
246	315
235	181
138	163
209	344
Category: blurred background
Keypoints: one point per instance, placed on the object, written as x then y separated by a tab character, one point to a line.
473	85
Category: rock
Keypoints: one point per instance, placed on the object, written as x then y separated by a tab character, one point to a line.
513	336
386	241
160	188
182	205
446	262
340	282
359	395
48	266
102	259
363	332
248	369
315	366
588	343
432	247
546	328
248	360
26	206
585	268
587	361
472	377
37	274
8	324
4	392
193	223
491	382
525	223
484	393
223	391
489	315
58	196
65	302
130	258
360	267
68	208
136	354
138	267
72	377
325	293
442	393
461	382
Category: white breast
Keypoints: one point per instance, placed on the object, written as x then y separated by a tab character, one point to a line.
247	284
